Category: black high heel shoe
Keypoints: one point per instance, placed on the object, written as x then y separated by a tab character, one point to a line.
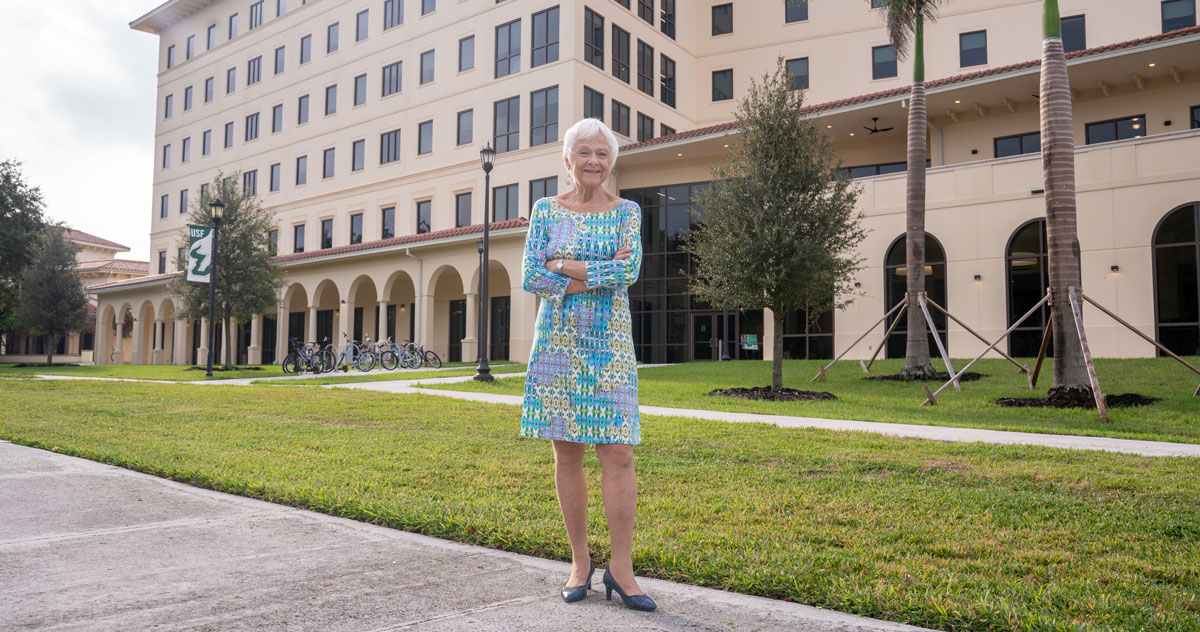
636	602
577	593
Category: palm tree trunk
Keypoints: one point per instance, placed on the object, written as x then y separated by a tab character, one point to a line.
1058	173
916	354
777	350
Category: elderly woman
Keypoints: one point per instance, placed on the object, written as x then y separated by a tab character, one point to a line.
582	252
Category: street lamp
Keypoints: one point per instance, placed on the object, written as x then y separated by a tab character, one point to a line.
217	208
487	158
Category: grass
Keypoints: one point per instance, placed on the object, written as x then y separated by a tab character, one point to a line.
140	371
949	536
1175	418
389	376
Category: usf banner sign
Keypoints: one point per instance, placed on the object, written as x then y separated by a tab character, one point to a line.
199	261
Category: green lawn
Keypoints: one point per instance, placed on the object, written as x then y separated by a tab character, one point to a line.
390	376
141	371
1175	418
949	536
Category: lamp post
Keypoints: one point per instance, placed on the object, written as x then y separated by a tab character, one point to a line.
487	157
217	207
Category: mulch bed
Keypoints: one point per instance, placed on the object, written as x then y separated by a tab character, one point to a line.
1112	401
969	376
768	394
25	365
221	368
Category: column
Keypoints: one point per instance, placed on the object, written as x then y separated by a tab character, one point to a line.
425	321
522	311
180	343
345	324
281	333
381	318
158	355
470	342
768	342
139	333
311	326
254	352
118	354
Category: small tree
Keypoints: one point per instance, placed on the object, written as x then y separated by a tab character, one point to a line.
779	230
53	301
21	232
248	282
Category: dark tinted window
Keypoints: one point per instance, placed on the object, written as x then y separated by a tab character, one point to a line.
425	138
972	48
620	53
1029	143
387	223
508	48
620	118
392	74
883	62
593	38
424	208
356	228
358	155
298	238
466	126
795	10
593	104
462	209
722	19
1116	129
798	68
426	67
1178	14
545	37
504	203
466	53
506	135
389	147
722	85
326	233
543	114
1074	35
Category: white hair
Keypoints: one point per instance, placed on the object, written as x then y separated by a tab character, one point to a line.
589	128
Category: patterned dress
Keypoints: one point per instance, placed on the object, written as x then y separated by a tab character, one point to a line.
582	383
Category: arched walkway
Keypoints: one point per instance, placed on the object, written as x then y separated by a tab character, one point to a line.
1028	277
499	311
325	314
362	308
400	311
1176	254
895	282
449	322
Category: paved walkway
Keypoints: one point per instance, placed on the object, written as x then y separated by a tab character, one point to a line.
90	547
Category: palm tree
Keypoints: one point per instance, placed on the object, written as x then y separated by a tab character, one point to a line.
905	22
1058	174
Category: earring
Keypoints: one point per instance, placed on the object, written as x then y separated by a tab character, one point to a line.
570	180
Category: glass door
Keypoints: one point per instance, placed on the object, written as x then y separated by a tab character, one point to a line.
704	337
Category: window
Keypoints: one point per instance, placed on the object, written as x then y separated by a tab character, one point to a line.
1196	117
277	118
593	38
666	20
722	85
272	241
391	78
1028	277
645	68
1017	144
256	15
252	127
972	48
424	208
504	203
331	38
171	56
331	99
466	126
646	10
280	7
279	60
168	105
204	191
545	37
305	49
620	118
229	135
426	67
393	13
190	49
666	80
508	48
722	19
276	176
895	282
543	116
360	25
877	4
230	80
462	209
387	223
358	153
298	238
183	201
593	104
428	6
1074	34
164	204
301	170
883	62
233	24
645	127
187	98
389	147
1178	14
505	136
250	182
327	169
208	89
211	37
166	156
543	188
326	234
187	149
624	3
302	110
664	130
356	228
254	71
795	11
866	171
466	53
1116	129
1176	255
206	142
424	138
620	43
360	89
798	69
162	262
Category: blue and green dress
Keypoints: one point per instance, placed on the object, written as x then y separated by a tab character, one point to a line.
582	382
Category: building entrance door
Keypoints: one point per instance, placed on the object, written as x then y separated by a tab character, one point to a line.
712	333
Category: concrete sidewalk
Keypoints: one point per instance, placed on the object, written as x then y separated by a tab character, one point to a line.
86	546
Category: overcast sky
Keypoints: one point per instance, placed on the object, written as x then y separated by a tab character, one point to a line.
77	108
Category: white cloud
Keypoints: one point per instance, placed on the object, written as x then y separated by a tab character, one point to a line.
77	105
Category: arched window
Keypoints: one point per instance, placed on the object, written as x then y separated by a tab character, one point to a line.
1176	288
895	281
1028	278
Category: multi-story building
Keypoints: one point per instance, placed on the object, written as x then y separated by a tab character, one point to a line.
360	121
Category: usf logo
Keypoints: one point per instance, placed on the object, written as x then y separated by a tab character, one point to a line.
199	261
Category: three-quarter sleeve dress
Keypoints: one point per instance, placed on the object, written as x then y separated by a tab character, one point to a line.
582	384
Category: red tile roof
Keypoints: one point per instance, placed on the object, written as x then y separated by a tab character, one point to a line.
116	265
407	239
78	235
876	96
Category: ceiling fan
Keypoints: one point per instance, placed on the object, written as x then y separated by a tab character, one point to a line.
875	129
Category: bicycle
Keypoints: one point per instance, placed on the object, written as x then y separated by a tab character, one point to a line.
405	356
427	357
389	360
351	355
303	358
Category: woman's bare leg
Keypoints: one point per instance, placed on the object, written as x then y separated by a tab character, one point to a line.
572	499
619	487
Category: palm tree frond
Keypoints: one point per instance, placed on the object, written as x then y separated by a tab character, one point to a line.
901	19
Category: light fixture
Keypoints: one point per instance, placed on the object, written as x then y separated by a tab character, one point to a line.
1151	64
1115	268
978	277
1137	126
828	127
680	155
851	133
217	208
857	285
957	101
487	157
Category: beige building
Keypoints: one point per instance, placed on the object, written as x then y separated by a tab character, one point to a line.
360	123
